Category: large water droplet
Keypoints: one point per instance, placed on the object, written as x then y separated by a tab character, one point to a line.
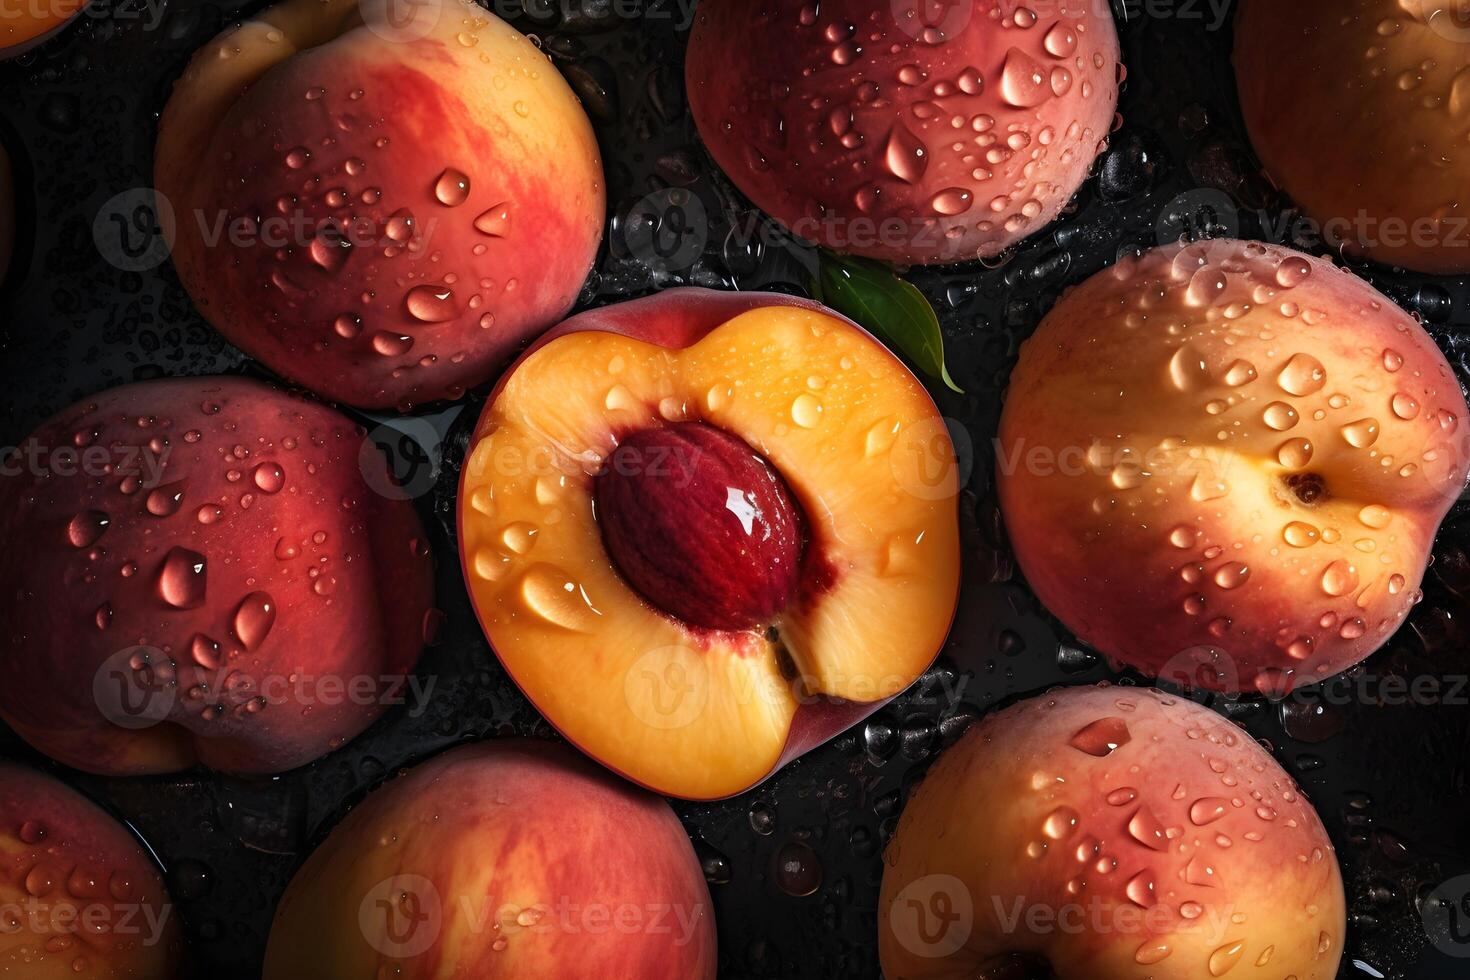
431	304
1302	375
906	156
548	593
182	578
1102	738
1361	434
494	222
1023	83
1223	960
86	528
1147	830
1340	578
452	188
254	618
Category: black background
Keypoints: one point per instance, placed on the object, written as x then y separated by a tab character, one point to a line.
79	118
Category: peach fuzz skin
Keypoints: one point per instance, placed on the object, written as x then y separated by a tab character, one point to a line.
326	122
516	860
908	132
216	583
1356	109
1224	464
688	712
1121	835
79	898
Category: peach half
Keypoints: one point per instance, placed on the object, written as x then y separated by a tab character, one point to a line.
906	131
79	897
1359	112
204	571
1225	463
1124	835
509	860
705	532
24	24
379	202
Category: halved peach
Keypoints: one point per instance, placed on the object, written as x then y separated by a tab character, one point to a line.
27	24
705	532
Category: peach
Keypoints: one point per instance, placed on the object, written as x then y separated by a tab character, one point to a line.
1225	464
510	859
1357	112
1124	835
79	897
705	532
24	24
905	131
380	204
203	571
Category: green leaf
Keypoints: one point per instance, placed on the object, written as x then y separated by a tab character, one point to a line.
892	309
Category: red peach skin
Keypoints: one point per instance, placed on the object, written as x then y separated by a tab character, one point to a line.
379	211
1224	464
900	130
510	860
1109	834
79	897
206	571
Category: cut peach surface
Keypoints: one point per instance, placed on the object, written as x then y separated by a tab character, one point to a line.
27	23
688	710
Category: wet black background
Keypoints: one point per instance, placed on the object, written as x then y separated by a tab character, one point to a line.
79	117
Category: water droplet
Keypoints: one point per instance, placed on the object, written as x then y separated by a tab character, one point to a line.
1375	516
1361	434
206	652
1292	272
182	579
86	528
1340	578
1140	890
452	188
1183	537
495	221
1301	535
1223	960
548	593
1208	810
906	156
400	225
1232	575
165	501
1147	830
1060	41
1302	375
881	437
1280	416
1023	84
1405	406
952	201
391	344
269	477
347	326
806	411
1240	373
1102	738
519	537
1151	952
254	618
431	304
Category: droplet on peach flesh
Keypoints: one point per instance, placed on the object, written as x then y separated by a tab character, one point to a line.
1225	463
700	525
686	523
919	133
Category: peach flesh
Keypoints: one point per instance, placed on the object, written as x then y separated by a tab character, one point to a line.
700	525
1125	835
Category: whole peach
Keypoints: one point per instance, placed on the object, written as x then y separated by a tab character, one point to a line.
79	897
1120	834
206	571
380	209
1357	110
496	861
1225	463
906	131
